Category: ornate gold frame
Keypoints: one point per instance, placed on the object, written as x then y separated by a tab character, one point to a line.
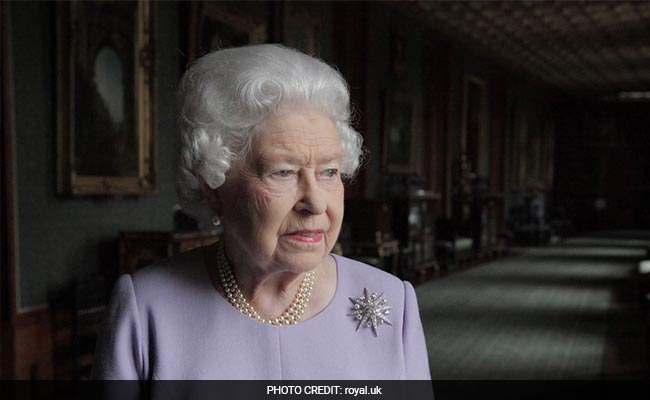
74	42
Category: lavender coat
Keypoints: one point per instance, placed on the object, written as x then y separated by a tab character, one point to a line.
168	322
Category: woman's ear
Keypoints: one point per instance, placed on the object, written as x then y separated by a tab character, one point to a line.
212	198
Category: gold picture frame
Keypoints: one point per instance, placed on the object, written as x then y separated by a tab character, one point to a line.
105	98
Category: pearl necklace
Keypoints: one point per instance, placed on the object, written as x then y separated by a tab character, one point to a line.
236	298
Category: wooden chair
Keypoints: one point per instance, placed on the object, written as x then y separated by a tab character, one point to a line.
90	300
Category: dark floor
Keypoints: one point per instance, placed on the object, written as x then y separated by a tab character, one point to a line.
571	311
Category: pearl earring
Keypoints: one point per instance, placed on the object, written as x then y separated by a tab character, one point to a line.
216	221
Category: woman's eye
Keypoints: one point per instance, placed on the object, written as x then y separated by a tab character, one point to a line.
331	172
285	173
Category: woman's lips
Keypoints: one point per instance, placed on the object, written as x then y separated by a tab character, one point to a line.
306	236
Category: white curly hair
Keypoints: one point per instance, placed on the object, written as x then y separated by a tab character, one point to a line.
225	94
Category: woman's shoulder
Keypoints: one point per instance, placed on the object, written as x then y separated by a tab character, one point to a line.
358	274
182	271
358	267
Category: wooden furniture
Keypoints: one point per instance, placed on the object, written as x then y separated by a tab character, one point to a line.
369	220
381	254
370	236
138	249
90	301
76	314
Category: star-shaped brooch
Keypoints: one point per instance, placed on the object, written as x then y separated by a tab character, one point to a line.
370	310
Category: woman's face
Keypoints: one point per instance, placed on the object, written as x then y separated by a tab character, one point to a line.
282	208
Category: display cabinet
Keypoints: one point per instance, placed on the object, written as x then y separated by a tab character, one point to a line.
414	226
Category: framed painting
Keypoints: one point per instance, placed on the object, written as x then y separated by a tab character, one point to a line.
518	147
474	135
217	25
105	95
398	142
306	26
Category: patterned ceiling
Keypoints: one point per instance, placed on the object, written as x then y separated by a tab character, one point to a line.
584	47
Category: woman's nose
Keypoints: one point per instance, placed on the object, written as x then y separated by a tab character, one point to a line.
311	199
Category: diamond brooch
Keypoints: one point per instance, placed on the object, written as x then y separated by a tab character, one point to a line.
370	310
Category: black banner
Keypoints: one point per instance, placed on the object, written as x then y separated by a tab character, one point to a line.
316	390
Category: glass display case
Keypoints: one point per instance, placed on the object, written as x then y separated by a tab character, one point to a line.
414	226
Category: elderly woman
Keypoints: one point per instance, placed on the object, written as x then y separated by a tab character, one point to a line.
266	146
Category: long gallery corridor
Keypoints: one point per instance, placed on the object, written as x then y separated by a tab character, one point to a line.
569	311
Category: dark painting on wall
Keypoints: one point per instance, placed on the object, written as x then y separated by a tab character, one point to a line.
399	139
104	141
217	25
105	92
518	147
474	138
305	26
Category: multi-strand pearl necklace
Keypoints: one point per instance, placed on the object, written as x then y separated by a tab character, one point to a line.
291	316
